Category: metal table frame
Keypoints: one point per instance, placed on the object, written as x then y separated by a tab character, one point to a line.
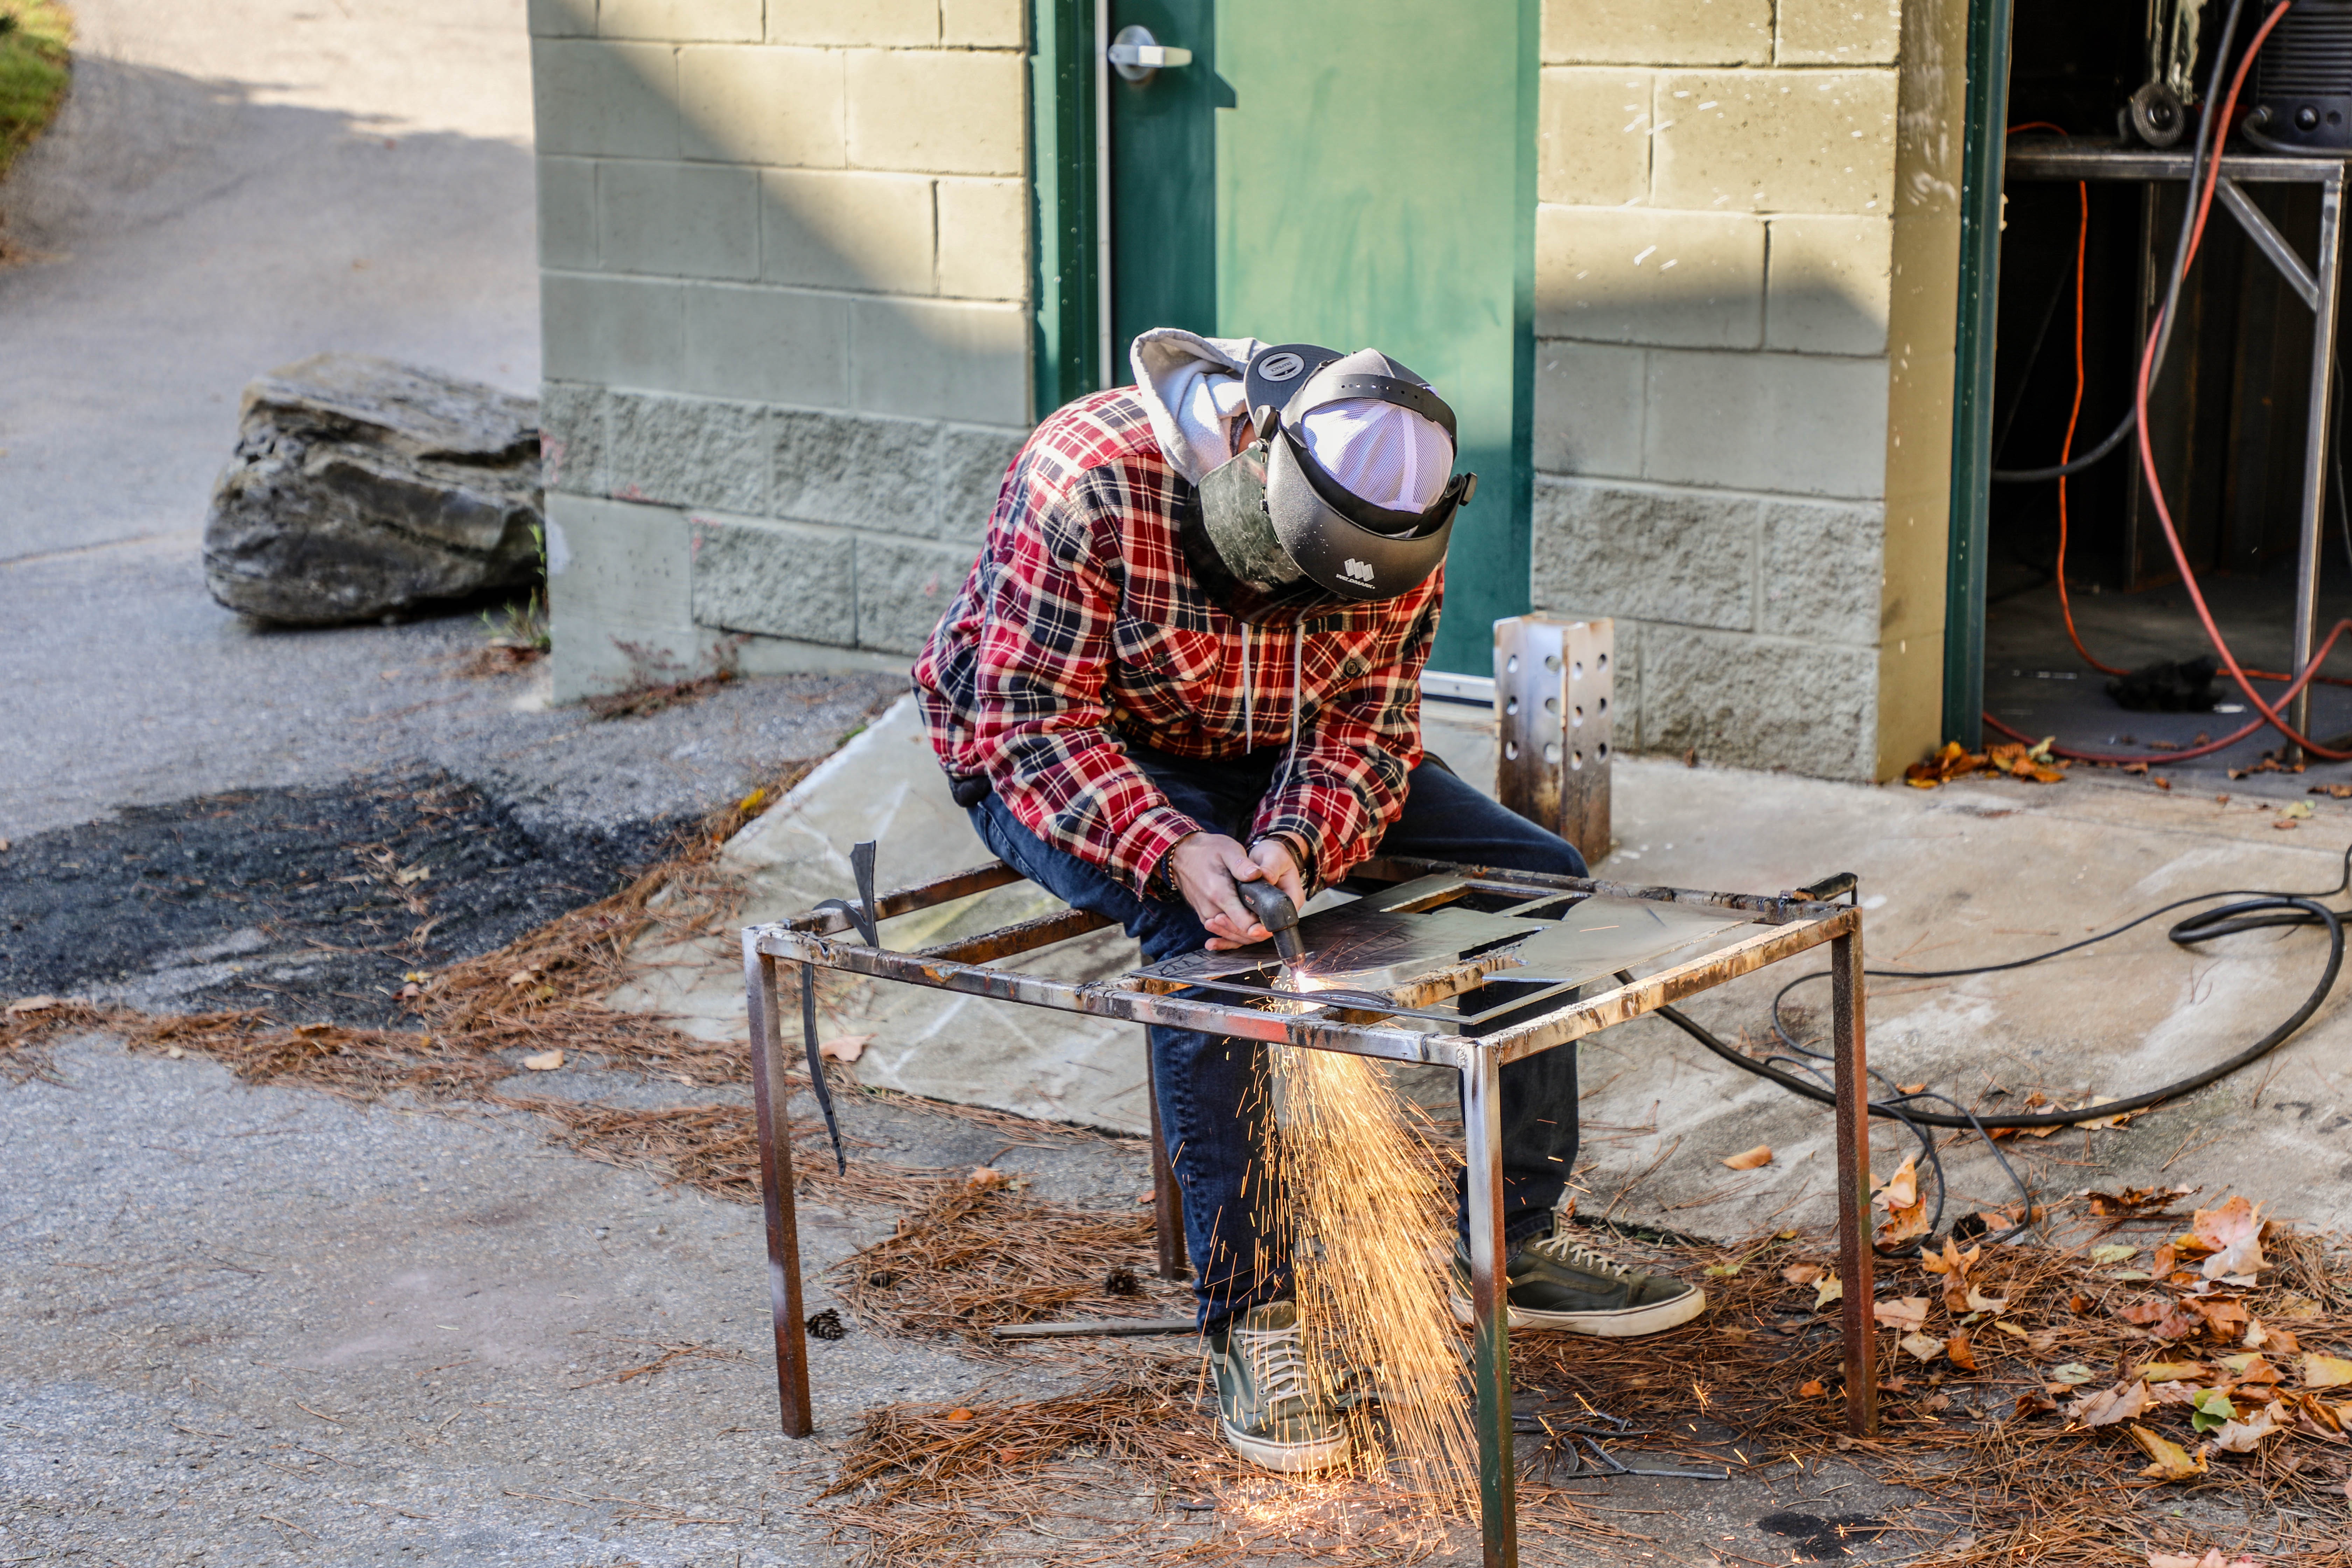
2315	284
1787	925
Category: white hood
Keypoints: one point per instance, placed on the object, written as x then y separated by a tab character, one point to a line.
1192	387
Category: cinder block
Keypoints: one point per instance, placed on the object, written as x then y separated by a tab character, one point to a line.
1826	284
939	112
609	562
773	345
972	469
936	359
1839	32
1653	554
613	331
1812	141
687	451
1639	275
1760	702
774	578
562	18
680	21
763	105
984	238
571	438
903	588
847	230
679	220
1595	137
1589	407
1799	424
600	99
1658	32
983	23
1821	572
870	24
567	213
861	473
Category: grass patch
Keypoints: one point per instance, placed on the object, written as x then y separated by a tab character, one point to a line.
34	70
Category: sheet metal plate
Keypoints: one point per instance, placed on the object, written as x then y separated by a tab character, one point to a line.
1362	948
1600	935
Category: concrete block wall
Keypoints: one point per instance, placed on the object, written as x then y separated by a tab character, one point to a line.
784	258
1743	204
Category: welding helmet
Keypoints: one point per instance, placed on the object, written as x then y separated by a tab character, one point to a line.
1275	515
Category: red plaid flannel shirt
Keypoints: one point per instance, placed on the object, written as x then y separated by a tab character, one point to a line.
1081	629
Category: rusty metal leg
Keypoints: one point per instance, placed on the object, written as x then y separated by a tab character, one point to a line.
1853	1182
1490	1348
1167	1197
770	1092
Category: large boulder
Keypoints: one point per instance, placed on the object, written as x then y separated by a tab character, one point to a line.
361	487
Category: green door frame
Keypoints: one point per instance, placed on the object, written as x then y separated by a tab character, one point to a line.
1983	146
1065	256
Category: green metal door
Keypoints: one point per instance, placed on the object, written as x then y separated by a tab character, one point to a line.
1354	173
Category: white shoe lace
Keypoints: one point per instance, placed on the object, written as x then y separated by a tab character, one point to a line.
1576	1254
1277	1359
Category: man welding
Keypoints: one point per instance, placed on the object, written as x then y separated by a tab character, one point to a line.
1188	660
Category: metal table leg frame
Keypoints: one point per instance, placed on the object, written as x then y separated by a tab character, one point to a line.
1857	1331
770	1092
1482	1127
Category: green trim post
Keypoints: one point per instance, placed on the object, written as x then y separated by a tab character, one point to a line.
1063	220
1983	146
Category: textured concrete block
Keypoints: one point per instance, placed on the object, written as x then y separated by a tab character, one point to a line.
571	438
1638	274
611	564
595	98
862	473
941	360
983	23
774	345
567	214
847	230
939	111
687	451
680	21
1826	284
1758	702
1594	137
1653	554
903	588
869	23
1795	423
774	578
984	238
1821	572
614	332
1813	141
1589	407
562	18
763	105
972	467
679	220
1658	32
1838	32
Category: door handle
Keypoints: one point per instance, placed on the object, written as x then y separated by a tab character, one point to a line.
1137	56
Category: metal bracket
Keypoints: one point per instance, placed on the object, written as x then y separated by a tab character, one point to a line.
2268	239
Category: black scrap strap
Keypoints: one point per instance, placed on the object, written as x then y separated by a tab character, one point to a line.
816	1065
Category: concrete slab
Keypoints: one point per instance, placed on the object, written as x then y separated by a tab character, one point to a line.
1973	873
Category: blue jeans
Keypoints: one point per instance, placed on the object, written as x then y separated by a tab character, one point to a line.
1209	1110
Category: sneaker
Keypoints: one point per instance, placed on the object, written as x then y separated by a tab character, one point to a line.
1558	1281
1267	1406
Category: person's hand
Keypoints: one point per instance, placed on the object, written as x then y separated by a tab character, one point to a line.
1206	866
1275	858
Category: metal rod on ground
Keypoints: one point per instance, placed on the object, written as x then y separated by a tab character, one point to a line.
770	1092
1482	1130
1167	1197
1859	1335
1101	1327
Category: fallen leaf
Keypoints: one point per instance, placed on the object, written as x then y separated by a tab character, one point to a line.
412	876
1827	1291
2321	1415
1803	1273
846	1049
2114	1252
24	1004
2210	1409
1902	1225
2299	810
1810	1390
2212	1559
2226	1318
2071	1373
174	1052
959	1414
1978	1301
2032	1402
1899	1191
1959	1352
2232	1234
1925	1347
2248	1366
546	1061
1760	1156
522	977
2107	1407
2173	1393
2245	1436
2012	1330
2144	1312
2172	1462
984	1176
1905	1312
2173	1371
2325	1371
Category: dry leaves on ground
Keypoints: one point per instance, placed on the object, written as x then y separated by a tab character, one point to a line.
2013	758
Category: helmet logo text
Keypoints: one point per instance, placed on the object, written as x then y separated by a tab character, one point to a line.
1281	366
1358	570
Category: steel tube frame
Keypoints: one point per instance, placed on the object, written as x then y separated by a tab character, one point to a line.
1789	925
2316	287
